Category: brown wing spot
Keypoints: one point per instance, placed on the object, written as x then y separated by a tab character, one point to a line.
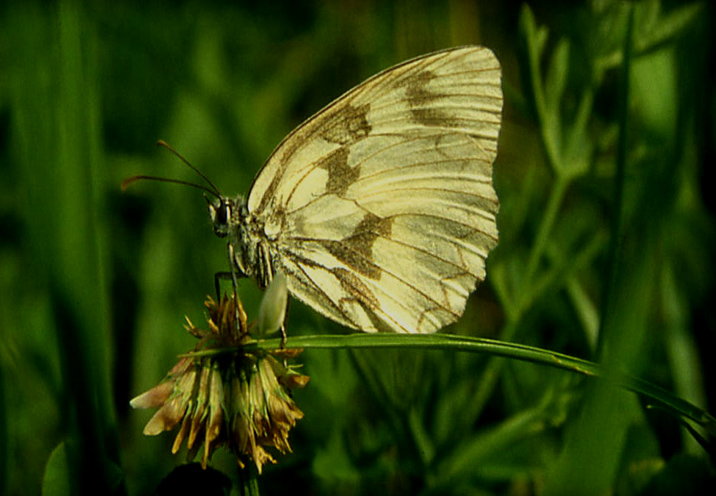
340	174
423	103
347	125
356	288
356	250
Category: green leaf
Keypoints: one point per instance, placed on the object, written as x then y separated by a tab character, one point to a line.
477	450
684	475
60	477
332	464
556	77
56	481
655	29
534	40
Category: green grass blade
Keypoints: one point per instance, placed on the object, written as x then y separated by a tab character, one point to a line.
449	342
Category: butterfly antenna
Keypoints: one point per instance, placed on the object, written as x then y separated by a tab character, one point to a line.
139	177
213	189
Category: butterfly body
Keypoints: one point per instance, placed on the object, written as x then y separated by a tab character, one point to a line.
249	247
380	209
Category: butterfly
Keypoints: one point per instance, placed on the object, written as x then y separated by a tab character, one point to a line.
380	209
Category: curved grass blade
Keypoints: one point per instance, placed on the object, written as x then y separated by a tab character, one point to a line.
660	397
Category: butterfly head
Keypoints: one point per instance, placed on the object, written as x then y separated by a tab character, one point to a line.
221	211
230	219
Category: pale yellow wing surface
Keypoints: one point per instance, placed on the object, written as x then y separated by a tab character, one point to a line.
380	208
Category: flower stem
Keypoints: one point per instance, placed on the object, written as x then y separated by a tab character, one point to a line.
545	228
248	480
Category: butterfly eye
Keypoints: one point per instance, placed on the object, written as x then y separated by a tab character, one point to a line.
220	213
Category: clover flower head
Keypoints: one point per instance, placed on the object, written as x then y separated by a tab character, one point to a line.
227	392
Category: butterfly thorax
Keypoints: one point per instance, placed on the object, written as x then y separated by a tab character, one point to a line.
248	248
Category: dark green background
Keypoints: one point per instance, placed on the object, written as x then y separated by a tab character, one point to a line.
95	282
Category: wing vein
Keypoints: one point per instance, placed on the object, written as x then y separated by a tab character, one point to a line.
394	276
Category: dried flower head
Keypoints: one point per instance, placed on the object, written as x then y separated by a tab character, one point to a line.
225	394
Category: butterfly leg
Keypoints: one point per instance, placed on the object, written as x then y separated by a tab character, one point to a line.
283	326
218	277
283	337
234	283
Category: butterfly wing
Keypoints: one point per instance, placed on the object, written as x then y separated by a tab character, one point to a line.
380	208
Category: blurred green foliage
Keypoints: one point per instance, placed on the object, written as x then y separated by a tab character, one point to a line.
606	250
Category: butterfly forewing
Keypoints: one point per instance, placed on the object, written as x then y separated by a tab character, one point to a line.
380	208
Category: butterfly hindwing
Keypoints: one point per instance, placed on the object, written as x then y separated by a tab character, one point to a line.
380	208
